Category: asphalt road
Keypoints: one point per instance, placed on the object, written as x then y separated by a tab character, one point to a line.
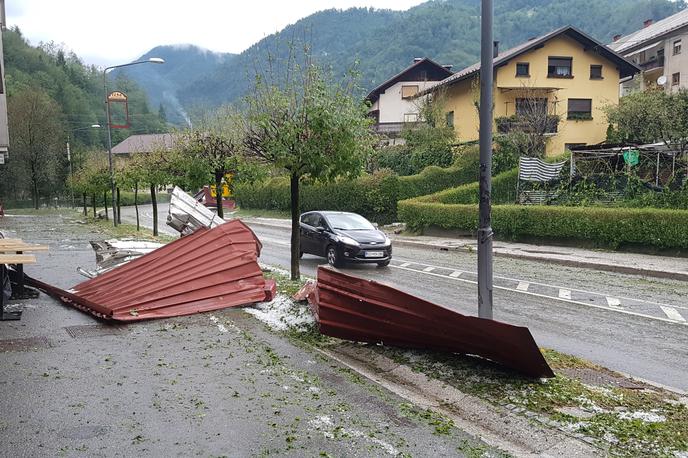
628	323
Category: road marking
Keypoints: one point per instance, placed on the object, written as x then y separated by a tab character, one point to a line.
565	294
428	269
406	264
613	302
523	286
672	313
455	274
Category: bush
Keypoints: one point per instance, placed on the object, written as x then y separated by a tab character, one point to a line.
611	227
503	191
396	158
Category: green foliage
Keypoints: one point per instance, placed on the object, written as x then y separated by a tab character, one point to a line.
503	191
611	227
396	158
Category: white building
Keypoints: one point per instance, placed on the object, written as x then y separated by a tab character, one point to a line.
660	49
392	103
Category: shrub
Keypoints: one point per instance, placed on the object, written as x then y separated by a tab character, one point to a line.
611	227
503	191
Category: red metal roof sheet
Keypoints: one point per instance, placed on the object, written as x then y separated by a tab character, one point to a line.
207	270
363	310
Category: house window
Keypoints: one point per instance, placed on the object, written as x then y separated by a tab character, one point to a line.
522	69
531	106
411	117
423	75
677	47
408	91
449	117
676	79
580	109
595	72
559	67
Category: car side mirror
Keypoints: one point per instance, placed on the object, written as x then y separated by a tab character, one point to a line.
320	229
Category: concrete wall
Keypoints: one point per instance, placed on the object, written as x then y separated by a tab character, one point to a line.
461	97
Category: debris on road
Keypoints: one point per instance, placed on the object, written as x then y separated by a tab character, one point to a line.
113	253
208	270
362	310
187	215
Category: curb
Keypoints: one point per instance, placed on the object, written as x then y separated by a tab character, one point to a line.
681	276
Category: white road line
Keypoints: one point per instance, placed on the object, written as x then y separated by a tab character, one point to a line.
455	274
428	269
523	286
613	302
680	307
406	264
565	294
544	296
672	313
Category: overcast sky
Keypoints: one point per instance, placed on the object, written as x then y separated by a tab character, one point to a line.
102	34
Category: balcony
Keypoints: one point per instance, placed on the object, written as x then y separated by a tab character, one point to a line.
652	63
394	128
516	123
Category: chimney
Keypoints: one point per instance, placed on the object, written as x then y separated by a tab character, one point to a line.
616	37
417	59
495	49
448	66
647	23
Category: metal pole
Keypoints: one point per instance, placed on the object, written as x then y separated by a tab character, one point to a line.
112	172
71	172
485	229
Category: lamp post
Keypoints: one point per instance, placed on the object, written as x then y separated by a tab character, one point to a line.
69	154
152	60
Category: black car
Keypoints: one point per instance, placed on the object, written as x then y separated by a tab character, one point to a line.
344	237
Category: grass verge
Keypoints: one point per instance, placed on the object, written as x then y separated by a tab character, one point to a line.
620	415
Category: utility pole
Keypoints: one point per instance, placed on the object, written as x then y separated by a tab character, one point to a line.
485	227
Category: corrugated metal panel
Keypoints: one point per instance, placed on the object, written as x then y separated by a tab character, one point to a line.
208	270
366	311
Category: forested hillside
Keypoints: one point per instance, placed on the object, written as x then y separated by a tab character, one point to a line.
384	42
54	91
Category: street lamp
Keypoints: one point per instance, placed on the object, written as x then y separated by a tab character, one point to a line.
69	154
152	60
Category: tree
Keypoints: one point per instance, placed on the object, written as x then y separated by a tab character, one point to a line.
129	176
155	169
36	132
305	124
217	145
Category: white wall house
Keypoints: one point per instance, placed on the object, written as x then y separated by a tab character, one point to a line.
660	49
393	105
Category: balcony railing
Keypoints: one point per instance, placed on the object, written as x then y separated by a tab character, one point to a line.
394	128
652	63
516	123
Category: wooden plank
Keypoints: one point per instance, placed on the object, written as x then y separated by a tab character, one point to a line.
14	247
17	259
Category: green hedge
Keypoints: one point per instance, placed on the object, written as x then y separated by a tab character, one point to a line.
503	191
373	196
611	227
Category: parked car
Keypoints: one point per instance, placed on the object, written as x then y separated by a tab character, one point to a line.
343	237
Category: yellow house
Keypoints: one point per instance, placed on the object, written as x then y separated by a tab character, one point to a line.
564	74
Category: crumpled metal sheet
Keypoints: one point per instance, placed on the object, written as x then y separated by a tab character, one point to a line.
114	252
187	215
362	310
207	270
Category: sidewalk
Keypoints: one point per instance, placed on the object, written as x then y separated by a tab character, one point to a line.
629	263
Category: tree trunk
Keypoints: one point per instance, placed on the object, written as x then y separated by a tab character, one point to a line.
35	193
93	201
154	201
218	194
119	209
136	205
107	217
83	199
295	245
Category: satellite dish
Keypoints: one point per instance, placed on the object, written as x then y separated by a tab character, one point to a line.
661	81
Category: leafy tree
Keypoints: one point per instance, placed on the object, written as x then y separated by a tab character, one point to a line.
217	145
35	129
302	122
156	169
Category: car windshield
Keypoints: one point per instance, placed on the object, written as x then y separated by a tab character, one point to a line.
349	222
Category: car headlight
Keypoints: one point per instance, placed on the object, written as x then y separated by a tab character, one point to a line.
387	242
348	240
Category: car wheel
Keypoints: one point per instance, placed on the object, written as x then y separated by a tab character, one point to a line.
333	257
383	263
